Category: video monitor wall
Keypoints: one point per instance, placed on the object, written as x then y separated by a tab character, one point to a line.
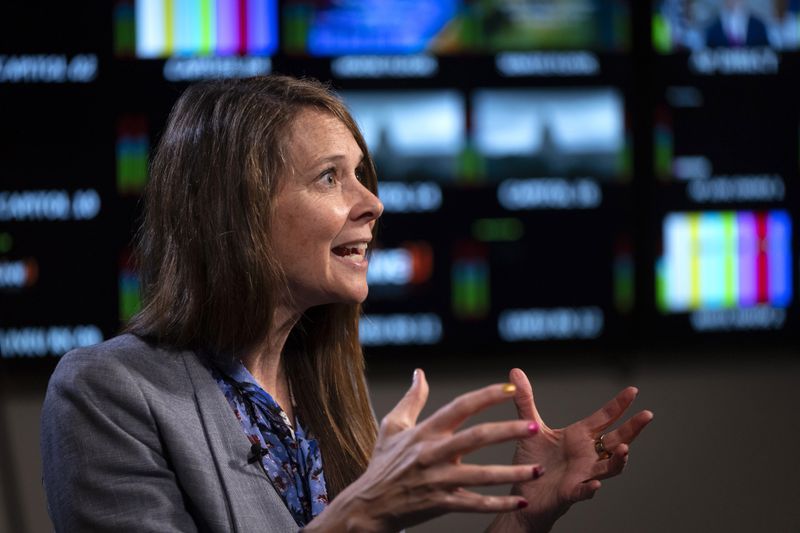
726	163
552	174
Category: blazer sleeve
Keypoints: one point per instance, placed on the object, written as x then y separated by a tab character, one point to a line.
103	464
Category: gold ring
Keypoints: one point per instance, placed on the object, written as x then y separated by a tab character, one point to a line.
600	448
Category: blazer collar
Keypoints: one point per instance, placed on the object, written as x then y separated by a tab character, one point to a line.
253	503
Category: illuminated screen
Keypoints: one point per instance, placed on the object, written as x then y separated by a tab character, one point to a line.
132	151
412	134
542	132
725	259
166	28
452	27
697	24
703	134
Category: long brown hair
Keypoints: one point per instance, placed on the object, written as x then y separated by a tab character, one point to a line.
209	280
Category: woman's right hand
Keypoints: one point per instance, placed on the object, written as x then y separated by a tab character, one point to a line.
416	472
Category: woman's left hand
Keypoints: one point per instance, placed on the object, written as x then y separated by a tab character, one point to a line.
573	467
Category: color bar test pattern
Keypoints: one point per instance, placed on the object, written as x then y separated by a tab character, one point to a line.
725	259
167	28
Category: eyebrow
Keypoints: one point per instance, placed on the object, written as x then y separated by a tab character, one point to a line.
332	158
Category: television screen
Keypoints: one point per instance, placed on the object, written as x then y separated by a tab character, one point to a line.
413	134
153	29
564	132
453	26
57	224
725	259
681	25
717	131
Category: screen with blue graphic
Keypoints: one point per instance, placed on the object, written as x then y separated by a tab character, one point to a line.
450	27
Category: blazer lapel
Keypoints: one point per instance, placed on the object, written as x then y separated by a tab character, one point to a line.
252	500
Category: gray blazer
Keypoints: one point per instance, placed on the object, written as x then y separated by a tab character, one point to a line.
136	438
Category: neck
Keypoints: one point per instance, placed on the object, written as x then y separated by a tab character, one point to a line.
265	362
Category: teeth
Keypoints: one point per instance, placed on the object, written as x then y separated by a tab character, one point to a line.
358	250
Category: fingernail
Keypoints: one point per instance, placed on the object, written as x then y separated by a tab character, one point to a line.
538	471
522	504
509	388
415	375
533	427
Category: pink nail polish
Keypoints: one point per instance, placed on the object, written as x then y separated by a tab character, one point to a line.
533	427
522	504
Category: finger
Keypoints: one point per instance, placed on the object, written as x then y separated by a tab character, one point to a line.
628	431
585	490
406	412
610	412
476	437
463	475
458	410
471	502
523	398
612	466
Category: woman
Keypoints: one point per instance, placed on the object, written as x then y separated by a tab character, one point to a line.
237	399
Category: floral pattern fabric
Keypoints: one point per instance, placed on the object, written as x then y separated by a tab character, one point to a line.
290	456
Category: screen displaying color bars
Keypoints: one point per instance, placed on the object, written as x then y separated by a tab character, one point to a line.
166	28
725	259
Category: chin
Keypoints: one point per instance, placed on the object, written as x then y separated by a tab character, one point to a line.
357	298
350	297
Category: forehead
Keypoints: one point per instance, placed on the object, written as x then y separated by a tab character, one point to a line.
317	134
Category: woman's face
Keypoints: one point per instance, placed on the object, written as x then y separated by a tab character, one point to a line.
324	214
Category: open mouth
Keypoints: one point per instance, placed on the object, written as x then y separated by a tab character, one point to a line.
353	252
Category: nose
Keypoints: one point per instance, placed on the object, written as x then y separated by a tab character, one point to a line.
368	207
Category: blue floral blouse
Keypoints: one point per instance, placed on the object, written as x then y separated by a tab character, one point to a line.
290	456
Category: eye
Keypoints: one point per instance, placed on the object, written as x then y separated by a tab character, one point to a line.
361	175
328	177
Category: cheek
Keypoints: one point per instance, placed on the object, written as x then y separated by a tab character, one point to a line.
309	234
322	225
307	229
